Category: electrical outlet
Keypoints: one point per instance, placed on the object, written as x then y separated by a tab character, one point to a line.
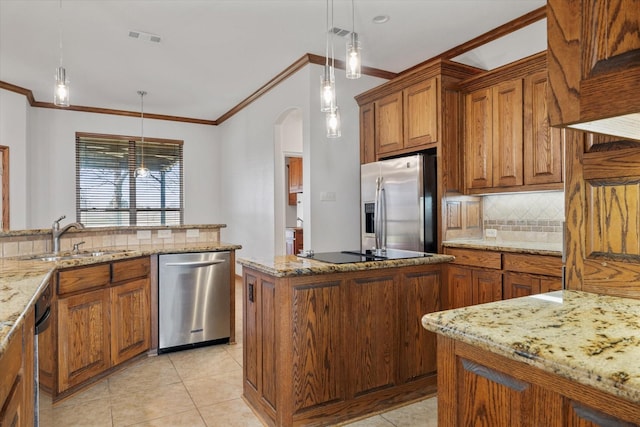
143	235
193	233
491	232
164	234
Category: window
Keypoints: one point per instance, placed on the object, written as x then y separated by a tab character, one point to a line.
109	194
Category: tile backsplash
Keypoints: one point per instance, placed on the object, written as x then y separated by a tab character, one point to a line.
526	216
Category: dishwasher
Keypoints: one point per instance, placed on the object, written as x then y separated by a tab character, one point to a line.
194	300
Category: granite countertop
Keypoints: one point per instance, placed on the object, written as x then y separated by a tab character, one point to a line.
534	248
589	338
291	265
22	281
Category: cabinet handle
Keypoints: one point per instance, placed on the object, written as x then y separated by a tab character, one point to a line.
251	297
494	376
597	417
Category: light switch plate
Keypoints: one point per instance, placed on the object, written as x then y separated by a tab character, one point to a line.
143	234
164	234
328	196
193	233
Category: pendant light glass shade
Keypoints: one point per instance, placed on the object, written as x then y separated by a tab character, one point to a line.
333	123
354	59
327	89
353	63
61	90
142	171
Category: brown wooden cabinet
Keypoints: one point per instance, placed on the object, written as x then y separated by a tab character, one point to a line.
594	61
407	119
102	319
295	175
421	113
509	143
477	277
542	143
17	381
493	136
324	348
527	275
477	387
83	337
389	135
367	133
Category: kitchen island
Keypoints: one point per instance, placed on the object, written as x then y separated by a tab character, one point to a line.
326	342
564	358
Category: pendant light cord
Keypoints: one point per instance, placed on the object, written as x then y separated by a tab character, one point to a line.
60	30
326	50
332	55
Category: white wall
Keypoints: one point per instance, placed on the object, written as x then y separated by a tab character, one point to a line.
43	160
14	113
248	153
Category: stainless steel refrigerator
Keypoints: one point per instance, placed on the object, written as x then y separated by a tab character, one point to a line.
398	203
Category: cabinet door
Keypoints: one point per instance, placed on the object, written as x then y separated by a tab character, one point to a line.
317	361
130	320
421	113
579	415
298	241
83	337
487	286
492	398
542	143
389	127
373	333
594	47
419	295
295	175
549	284
250	331
520	285
460	286
507	134
367	134
478	139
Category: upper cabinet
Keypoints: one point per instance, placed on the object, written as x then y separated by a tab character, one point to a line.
295	174
509	144
418	110
594	64
408	118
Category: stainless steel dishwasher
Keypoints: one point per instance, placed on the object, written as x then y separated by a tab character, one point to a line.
194	300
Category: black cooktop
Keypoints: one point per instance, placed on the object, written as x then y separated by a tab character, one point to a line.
345	257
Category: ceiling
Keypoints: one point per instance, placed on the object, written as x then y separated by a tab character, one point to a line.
215	53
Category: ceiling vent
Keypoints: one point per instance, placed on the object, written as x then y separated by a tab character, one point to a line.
340	32
141	35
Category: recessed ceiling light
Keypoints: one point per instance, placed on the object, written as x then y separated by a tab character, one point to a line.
380	19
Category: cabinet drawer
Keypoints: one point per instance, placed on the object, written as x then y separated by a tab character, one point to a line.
79	279
475	258
534	264
130	269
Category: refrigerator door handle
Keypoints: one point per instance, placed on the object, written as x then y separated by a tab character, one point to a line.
380	215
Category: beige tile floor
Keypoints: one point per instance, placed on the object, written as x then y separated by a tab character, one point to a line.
198	387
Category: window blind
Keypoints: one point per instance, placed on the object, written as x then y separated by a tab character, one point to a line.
109	194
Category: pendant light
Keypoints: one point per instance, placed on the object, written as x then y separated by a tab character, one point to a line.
142	171
333	123
327	79
61	89
354	59
332	118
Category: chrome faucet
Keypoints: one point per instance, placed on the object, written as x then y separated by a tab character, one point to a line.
56	231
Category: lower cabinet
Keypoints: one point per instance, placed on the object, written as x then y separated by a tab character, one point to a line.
477	277
325	348
83	337
102	319
17	380
477	387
